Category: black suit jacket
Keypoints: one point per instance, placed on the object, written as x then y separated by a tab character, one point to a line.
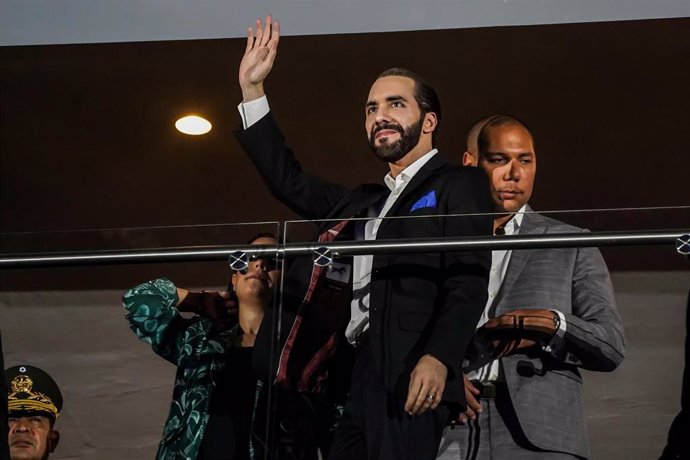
420	303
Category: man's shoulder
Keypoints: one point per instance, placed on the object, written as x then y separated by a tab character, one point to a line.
458	174
553	225
461	170
363	192
369	188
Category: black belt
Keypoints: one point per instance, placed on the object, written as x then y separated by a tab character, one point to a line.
361	339
488	390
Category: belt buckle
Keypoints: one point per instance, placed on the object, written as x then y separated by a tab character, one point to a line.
486	390
361	339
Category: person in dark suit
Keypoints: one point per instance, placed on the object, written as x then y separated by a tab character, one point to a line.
550	312
411	315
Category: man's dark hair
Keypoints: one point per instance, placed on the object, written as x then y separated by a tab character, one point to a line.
424	94
261	235
494	122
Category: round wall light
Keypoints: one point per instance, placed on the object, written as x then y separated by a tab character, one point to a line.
193	125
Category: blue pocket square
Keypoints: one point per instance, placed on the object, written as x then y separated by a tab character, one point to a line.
427	201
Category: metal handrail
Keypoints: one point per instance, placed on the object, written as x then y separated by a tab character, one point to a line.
344	248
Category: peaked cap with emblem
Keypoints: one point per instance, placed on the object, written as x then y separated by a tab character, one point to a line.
32	390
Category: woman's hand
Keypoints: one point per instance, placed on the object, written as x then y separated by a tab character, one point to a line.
213	305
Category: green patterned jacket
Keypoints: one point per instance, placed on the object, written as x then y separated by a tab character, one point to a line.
191	345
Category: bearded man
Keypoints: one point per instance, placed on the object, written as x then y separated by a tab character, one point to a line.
411	316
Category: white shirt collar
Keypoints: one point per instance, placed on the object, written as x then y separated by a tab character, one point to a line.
513	225
408	173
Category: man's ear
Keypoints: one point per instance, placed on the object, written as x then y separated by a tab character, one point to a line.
53	440
430	122
468	159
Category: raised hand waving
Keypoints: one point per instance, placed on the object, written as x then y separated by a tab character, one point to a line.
258	59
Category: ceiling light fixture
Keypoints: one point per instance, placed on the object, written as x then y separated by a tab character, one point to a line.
193	125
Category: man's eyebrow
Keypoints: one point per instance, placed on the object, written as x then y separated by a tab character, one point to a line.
395	98
388	99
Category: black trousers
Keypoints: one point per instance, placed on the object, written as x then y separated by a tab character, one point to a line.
375	426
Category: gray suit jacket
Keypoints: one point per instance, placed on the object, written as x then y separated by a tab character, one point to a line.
545	387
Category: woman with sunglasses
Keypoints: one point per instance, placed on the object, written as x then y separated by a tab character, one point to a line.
215	387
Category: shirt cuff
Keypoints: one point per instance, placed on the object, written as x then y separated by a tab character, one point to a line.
557	342
253	111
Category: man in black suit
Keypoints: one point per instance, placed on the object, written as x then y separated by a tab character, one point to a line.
411	315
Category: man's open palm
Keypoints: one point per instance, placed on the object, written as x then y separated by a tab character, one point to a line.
258	58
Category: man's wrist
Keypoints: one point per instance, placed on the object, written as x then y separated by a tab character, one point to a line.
252	92
556	322
556	342
435	359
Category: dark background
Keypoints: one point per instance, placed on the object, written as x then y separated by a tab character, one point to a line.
87	138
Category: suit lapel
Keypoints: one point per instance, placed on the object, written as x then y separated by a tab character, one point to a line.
435	163
357	206
372	201
531	225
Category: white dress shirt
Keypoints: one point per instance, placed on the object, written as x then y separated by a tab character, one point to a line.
361	265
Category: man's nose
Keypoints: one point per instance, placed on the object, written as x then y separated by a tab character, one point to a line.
512	171
382	115
21	425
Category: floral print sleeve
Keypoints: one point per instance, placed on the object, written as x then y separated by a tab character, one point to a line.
153	317
194	347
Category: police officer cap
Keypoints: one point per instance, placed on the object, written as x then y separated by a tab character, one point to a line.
32	390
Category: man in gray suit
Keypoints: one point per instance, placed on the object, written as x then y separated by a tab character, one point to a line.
549	312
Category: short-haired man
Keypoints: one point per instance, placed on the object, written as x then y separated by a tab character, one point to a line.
34	402
471	153
406	309
550	312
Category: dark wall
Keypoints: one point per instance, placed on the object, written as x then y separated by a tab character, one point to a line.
87	137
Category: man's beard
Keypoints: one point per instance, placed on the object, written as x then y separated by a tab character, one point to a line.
394	151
